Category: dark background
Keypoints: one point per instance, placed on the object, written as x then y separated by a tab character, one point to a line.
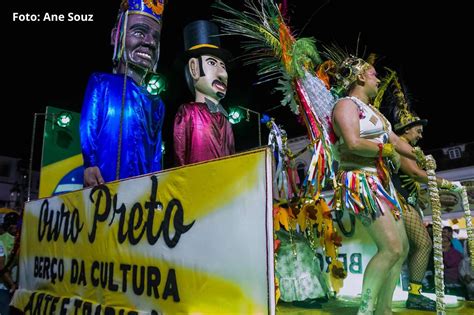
48	63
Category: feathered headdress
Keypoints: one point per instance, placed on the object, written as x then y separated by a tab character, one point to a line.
346	67
280	55
270	43
394	103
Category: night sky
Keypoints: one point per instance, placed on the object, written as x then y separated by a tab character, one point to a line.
48	63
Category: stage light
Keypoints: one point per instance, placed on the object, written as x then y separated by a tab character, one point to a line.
265	118
156	84
64	119
235	115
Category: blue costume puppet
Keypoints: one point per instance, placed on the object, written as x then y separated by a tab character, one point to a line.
121	117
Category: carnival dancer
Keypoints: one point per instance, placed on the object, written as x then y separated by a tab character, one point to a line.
201	128
367	147
121	119
395	105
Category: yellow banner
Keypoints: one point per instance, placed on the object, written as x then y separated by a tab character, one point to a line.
196	239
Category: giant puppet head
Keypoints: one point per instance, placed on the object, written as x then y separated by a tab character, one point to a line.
136	37
205	70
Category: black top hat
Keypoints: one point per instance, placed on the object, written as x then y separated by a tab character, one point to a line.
401	118
201	37
404	121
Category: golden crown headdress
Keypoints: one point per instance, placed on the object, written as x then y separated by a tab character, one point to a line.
347	66
349	69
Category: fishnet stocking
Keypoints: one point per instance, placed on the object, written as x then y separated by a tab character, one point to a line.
420	245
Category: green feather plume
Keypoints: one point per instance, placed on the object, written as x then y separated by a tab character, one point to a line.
383	87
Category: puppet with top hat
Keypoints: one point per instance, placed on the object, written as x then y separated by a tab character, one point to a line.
201	129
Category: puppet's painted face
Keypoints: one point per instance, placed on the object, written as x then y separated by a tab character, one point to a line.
142	43
214	82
